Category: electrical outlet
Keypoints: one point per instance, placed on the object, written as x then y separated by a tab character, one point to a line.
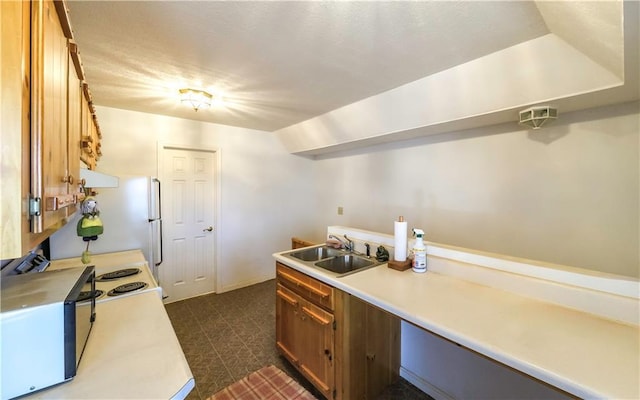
340	211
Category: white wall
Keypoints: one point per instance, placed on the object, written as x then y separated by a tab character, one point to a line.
566	194
265	191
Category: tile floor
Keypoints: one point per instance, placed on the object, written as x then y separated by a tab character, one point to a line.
226	336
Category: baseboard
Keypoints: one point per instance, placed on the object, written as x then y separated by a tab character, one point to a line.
240	285
424	385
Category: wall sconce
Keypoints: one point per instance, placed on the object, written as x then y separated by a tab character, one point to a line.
197	99
535	117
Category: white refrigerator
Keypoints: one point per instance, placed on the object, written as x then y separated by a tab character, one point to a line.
131	216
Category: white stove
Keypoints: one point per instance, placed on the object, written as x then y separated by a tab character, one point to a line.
114	278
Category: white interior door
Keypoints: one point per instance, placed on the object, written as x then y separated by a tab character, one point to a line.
188	211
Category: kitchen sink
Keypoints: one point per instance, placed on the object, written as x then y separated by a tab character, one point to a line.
345	263
316	253
331	259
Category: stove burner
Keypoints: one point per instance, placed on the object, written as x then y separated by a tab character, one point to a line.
127	288
86	295
121	273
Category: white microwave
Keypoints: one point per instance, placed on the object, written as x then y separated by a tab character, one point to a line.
44	328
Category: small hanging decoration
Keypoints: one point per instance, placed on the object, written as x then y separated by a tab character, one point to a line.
90	225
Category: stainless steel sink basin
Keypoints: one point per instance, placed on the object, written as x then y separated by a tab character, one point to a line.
316	253
345	263
331	259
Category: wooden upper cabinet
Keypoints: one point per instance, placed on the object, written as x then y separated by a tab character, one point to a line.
90	134
41	116
55	116
74	123
14	124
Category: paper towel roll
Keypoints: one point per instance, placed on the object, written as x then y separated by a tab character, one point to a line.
400	239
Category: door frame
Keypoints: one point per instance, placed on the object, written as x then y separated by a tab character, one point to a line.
216	193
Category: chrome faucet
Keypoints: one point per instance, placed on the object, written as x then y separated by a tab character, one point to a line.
347	245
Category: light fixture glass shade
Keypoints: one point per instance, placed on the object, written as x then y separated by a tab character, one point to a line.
197	99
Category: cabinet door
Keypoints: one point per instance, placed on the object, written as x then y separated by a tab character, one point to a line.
74	124
90	141
317	352
305	336
49	115
14	125
288	324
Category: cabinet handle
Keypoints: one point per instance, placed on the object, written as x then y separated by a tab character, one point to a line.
315	316
300	283
286	351
287	298
312	377
55	203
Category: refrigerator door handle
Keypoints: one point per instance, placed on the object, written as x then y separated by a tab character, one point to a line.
159	198
159	243
155	207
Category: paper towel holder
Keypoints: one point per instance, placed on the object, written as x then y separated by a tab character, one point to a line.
395	264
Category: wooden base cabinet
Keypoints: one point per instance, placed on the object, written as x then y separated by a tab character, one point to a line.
345	347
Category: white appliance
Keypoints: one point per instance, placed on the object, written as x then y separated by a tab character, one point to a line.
44	328
113	282
131	215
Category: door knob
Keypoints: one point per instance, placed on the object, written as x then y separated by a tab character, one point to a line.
209	229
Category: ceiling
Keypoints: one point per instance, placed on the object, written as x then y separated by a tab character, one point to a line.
279	63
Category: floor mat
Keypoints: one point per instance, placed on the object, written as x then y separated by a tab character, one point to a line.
268	383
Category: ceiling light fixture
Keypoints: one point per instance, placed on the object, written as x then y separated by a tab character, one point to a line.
195	98
535	117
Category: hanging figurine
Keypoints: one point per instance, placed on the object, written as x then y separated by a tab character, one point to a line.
90	225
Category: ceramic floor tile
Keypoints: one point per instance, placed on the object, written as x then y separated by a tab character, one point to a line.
226	336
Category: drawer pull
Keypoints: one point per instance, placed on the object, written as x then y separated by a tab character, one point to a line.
287	298
305	285
315	316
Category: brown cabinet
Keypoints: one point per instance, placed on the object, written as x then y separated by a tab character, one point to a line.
345	347
74	120
90	131
14	123
54	175
41	117
305	336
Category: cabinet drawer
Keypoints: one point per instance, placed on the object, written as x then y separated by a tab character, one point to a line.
306	286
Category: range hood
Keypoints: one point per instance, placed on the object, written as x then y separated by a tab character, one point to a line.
94	179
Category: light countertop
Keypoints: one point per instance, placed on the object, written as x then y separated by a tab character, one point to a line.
132	353
578	352
122	259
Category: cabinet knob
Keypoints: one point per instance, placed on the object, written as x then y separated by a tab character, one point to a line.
68	179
